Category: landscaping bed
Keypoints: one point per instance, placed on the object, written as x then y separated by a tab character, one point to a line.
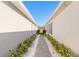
60	48
41	33
22	47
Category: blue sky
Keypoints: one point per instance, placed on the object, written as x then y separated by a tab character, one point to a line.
41	10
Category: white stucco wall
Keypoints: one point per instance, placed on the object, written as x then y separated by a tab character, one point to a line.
66	27
11	21
49	28
13	29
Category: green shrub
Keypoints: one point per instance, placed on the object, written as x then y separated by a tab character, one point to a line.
41	33
44	31
13	53
38	31
60	48
23	47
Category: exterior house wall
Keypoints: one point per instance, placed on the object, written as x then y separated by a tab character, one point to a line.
66	26
14	29
49	28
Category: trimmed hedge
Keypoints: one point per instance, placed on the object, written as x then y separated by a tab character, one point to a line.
60	48
22	47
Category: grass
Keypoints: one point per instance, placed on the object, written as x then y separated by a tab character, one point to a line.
22	47
60	48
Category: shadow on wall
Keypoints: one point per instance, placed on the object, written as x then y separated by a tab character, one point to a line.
11	40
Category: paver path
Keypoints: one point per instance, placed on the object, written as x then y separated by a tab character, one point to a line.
42	48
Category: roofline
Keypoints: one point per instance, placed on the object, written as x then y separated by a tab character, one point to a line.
32	19
53	13
62	5
20	8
